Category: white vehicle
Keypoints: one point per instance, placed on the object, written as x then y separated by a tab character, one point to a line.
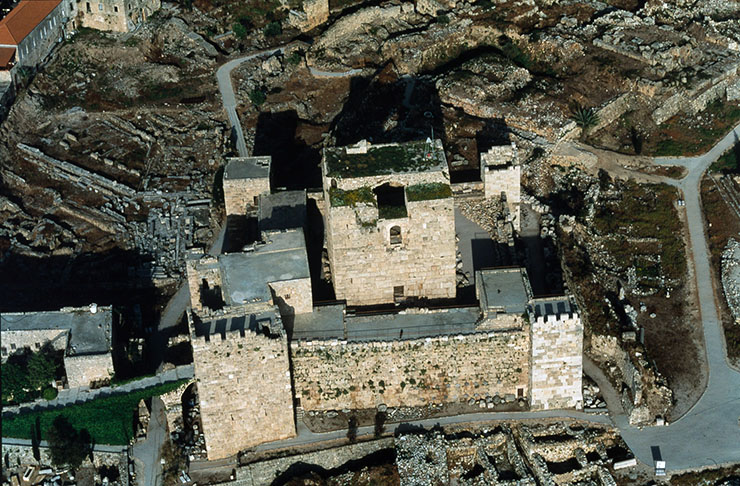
660	468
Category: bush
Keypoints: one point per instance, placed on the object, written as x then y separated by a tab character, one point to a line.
49	393
443	19
41	370
239	30
272	29
257	97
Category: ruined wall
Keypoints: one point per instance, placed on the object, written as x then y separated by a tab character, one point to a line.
337	375
198	270
557	362
365	265
292	296
244	391
84	369
13	341
240	195
114	15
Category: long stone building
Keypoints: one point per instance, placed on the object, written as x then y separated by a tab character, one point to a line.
265	353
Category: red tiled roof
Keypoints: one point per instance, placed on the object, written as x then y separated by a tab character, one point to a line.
7	55
23	19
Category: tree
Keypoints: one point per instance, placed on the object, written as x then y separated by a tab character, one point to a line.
352	429
380	418
240	31
67	445
41	370
273	29
585	117
15	383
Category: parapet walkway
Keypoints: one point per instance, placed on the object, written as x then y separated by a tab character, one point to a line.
76	396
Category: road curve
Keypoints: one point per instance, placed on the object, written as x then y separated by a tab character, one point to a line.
223	76
709	433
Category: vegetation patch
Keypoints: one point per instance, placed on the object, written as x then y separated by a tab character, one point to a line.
382	160
728	163
361	195
108	420
28	376
426	191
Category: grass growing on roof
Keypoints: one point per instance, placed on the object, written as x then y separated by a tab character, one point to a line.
109	420
339	197
381	160
430	190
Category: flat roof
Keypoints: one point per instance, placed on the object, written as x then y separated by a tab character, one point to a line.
325	322
246	275
21	21
253	322
88	333
503	288
247	168
282	210
364	160
551	306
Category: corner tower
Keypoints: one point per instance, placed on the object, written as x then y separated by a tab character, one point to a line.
389	222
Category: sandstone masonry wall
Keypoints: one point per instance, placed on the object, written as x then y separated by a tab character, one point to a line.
337	375
557	364
244	391
293	296
198	270
114	15
84	369
240	194
13	341
423	263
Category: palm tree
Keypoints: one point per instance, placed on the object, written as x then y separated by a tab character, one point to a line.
584	117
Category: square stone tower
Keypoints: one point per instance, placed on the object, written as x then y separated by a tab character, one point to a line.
501	174
390	224
245	179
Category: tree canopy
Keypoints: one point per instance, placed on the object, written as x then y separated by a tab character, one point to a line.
68	446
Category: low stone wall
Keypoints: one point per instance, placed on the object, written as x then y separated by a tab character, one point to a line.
340	375
265	472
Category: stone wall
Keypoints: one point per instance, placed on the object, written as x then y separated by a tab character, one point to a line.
173	406
244	391
365	265
240	195
265	472
199	269
34	48
314	13
83	370
340	375
292	296
114	15
13	341
557	363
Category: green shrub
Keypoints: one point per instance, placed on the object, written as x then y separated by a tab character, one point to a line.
272	29
49	393
443	19
239	30
257	97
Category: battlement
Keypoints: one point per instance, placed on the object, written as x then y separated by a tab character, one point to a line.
367	160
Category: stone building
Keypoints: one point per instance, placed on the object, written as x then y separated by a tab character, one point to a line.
312	14
389	222
29	33
557	348
82	334
245	179
243	378
501	175
112	15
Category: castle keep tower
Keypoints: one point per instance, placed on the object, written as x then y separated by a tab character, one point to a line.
389	222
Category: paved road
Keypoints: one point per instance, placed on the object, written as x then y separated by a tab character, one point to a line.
709	433
333	74
223	75
147	453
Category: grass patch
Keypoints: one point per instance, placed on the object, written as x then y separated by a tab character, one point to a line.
683	135
392	212
109	420
361	195
728	163
382	160
426	191
644	211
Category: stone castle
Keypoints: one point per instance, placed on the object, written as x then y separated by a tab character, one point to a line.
265	353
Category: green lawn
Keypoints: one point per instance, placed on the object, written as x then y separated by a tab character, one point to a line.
109	420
